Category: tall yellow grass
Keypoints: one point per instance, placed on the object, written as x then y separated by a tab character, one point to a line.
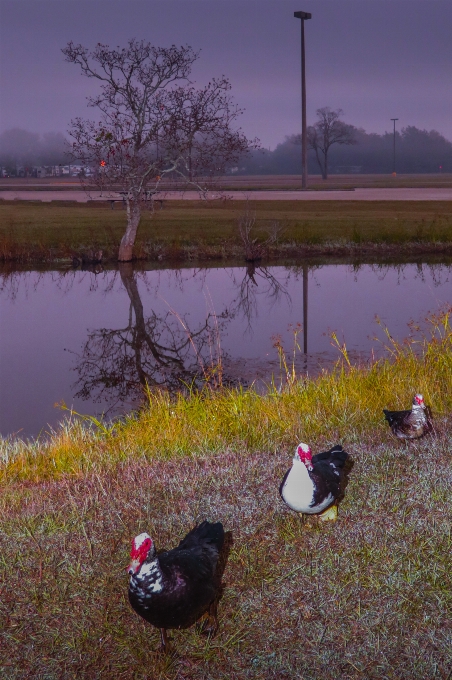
339	405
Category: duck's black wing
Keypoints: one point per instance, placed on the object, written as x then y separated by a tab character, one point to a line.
327	472
197	554
336	453
204	534
396	418
429	426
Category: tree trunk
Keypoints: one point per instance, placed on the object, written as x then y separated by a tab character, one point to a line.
325	173
322	168
133	221
139	336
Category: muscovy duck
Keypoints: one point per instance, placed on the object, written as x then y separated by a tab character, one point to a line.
411	424
176	588
312	485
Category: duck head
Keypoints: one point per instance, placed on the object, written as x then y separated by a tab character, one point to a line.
304	455
143	550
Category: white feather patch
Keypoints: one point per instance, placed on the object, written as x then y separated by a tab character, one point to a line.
298	490
140	539
148	580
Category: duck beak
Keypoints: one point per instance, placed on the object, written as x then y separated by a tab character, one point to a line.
133	567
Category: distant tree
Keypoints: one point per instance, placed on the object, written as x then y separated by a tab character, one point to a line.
18	148
418	151
21	148
423	151
325	132
53	147
152	126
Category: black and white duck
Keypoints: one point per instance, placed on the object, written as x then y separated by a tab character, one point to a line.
411	424
175	588
313	483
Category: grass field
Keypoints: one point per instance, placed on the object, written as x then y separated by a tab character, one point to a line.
367	597
35	232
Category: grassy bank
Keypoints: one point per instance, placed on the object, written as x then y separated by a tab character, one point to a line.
183	230
368	597
339	404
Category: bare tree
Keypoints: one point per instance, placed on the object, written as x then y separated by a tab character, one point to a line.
202	137
255	249
325	132
151	125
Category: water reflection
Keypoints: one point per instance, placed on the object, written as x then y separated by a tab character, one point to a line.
96	338
256	283
157	350
165	350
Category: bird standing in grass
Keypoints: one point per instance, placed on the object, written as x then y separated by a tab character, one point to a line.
313	484
411	424
175	589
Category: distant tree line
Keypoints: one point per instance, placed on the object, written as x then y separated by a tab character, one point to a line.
21	148
417	151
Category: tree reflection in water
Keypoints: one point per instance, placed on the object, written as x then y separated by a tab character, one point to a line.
247	301
118	366
166	350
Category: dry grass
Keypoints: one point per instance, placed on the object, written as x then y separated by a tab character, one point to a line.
367	597
184	230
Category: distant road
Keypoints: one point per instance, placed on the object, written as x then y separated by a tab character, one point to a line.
396	194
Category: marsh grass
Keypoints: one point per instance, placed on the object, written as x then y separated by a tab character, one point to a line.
367	597
344	402
186	230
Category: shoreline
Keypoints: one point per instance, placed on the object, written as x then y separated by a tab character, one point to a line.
60	233
191	255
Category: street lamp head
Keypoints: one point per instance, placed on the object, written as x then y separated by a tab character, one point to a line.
302	15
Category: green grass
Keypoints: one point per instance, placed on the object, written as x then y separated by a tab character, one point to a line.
184	230
367	597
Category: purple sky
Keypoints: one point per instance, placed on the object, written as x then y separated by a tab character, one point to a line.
376	59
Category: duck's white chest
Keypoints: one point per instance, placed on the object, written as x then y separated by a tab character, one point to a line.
418	420
298	490
147	582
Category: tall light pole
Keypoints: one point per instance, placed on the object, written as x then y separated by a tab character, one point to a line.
305	312
393	162
304	155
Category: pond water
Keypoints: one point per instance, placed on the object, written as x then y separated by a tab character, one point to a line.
93	339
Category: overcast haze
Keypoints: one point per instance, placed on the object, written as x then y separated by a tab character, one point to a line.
376	59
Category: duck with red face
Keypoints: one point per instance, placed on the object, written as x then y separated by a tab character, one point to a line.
411	424
175	588
313	484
